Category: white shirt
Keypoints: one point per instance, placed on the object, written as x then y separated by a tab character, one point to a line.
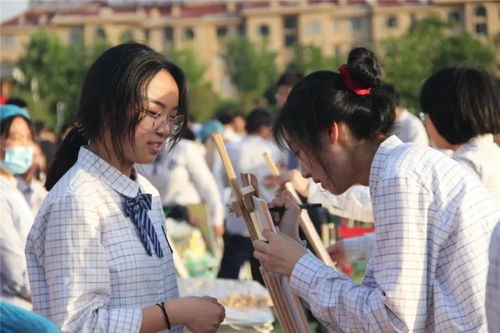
482	155
248	157
428	270
409	128
182	177
15	222
34	193
87	266
493	284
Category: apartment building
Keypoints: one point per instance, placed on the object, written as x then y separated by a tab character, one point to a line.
333	25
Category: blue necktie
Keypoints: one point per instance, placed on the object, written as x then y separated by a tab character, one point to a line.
137	208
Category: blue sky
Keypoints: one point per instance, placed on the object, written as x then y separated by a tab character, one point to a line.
10	8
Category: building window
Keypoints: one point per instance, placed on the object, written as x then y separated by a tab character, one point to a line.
356	24
264	30
100	34
168	34
454	16
413	19
75	36
221	31
337	51
291	31
481	29
314	28
480	11
392	22
242	30
188	34
290	22
126	37
8	42
147	35
290	40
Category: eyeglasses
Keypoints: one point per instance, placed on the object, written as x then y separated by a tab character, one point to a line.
159	121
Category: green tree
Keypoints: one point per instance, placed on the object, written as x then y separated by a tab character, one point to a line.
429	45
251	68
202	98
310	58
53	73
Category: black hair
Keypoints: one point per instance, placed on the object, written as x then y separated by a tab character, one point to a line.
322	98
6	123
462	102
391	92
289	78
257	118
225	117
111	99
17	101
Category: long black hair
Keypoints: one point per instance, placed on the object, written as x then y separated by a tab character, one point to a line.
462	102
322	98
111	99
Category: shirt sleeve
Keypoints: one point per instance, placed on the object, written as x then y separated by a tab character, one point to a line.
392	298
355	203
205	184
493	284
75	271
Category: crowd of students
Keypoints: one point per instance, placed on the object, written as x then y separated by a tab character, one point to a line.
97	258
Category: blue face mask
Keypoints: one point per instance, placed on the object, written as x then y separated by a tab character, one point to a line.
17	159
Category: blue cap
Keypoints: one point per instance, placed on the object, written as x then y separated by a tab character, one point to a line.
10	110
210	127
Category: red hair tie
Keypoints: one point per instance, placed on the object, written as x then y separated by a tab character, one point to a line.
354	86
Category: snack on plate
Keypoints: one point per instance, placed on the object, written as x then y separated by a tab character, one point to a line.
246	299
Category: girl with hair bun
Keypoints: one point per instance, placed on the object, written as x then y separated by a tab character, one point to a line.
98	255
433	219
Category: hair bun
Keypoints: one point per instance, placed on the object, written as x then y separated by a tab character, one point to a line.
364	67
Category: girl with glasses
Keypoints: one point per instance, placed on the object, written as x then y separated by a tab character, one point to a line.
98	256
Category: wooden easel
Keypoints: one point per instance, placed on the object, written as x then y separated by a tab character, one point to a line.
256	216
305	222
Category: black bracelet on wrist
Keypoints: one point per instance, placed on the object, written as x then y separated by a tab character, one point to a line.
162	307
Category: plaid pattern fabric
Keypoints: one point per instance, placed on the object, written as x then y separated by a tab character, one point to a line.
493	286
428	270
87	265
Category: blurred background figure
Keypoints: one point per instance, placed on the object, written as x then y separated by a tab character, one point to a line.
247	157
16	156
285	84
205	135
183	178
31	182
462	113
407	126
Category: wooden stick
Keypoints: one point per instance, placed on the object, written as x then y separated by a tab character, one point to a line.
305	221
245	203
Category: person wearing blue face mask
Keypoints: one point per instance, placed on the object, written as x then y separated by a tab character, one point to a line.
16	156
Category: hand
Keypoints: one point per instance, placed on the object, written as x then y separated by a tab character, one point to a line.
288	221
202	314
196	221
337	253
300	183
279	254
218	230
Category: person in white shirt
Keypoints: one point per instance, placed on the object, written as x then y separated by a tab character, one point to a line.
16	218
247	157
434	219
182	177
98	256
462	113
407	127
